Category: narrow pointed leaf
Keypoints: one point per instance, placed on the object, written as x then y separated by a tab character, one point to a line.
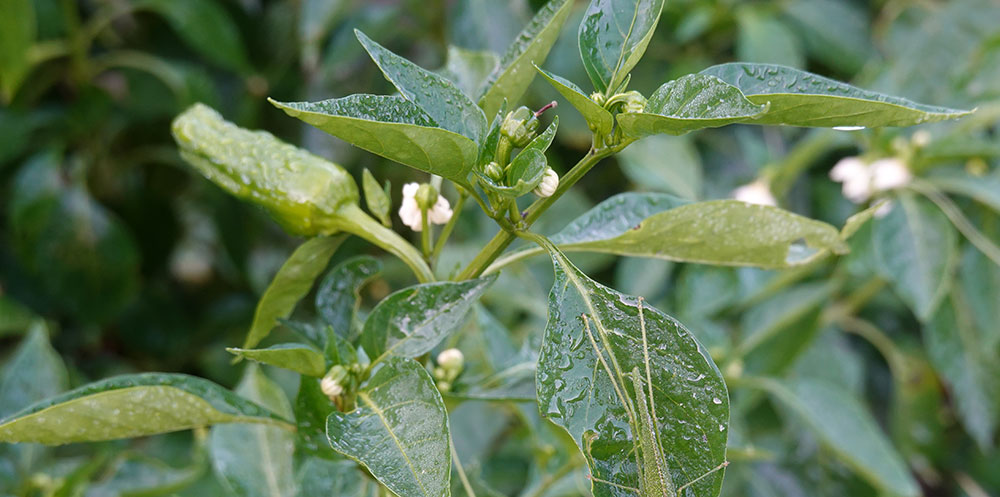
581	381
339	295
917	250
293	356
399	431
132	406
598	118
613	37
292	282
435	95
799	98
514	73
692	102
391	127
377	198
468	69
412	321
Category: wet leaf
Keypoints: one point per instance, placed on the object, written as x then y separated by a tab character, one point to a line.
598	118
132	406
527	169
292	356
514	72
410	322
799	98
399	431
339	295
593	339
690	103
613	37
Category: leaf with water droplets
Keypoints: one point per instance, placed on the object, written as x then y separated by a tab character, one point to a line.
527	169
411	321
598	118
514	73
399	431
132	406
692	102
297	357
799	98
595	337
290	284
613	37
392	127
339	295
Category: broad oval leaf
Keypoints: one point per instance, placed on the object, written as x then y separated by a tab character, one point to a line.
392	127
844	426
290	284
594	338
256	460
613	36
132	406
296	357
799	98
514	73
339	295
399	431
692	102
917	251
598	118
435	95
411	321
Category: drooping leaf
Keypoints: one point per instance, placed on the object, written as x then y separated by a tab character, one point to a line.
392	127
206	27
692	102
131	406
297	357
799	98
527	169
377	198
435	95
290	284
17	34
916	248
412	321
514	73
613	37
842	424
598	118
339	295
256	460
594	338
399	431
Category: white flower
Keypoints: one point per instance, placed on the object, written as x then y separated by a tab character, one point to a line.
331	387
549	184
409	211
758	192
856	177
889	174
921	138
451	359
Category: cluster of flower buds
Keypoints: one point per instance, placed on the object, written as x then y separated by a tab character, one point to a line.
340	382
418	198
450	365
520	126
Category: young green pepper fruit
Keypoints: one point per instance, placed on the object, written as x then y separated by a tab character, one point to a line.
306	194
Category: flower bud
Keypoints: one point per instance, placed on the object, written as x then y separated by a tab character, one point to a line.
332	383
451	360
426	196
634	102
549	184
598	98
519	126
494	171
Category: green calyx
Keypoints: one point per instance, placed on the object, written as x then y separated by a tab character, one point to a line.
519	126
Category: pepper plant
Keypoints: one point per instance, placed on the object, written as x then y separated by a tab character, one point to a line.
638	396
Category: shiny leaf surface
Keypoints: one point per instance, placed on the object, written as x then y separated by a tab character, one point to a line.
339	295
613	37
598	118
377	198
527	169
292	356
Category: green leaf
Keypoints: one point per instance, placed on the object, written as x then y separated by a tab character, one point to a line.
335	478
776	314
14	317
35	372
692	102
982	189
664	163
513	75
292	282
399	431
139	476
297	357
844	45
527	169
468	69
206	27
256	460
594	337
979	281
598	118
799	98
302	191
17	34
131	406
613	37
917	250
411	321
763	38
436	96
391	127
844	426
339	295
312	407
377	198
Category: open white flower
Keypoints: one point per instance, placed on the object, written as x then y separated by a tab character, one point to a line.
758	192
856	177
409	211
889	174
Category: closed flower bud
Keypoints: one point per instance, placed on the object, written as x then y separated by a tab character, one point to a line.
451	360
890	174
332	383
634	102
426	196
549	184
758	192
494	171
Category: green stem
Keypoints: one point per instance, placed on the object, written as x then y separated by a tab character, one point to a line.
954	214
504	238
425	234
879	340
355	221
446	232
461	471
